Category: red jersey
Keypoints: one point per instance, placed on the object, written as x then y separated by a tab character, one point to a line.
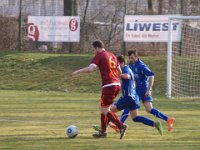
108	64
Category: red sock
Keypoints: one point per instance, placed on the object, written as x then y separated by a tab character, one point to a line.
104	122
113	118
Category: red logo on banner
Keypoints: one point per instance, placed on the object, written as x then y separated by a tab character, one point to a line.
33	32
73	24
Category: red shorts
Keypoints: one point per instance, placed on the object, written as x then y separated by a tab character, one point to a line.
109	94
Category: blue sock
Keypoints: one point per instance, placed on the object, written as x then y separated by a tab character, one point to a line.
158	114
124	115
144	120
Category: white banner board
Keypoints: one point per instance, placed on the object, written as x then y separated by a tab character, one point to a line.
54	28
150	28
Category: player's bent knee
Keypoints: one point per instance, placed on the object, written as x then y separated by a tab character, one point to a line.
113	108
134	114
148	106
148	110
104	110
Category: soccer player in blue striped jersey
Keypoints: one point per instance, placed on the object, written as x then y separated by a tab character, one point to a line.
129	99
144	81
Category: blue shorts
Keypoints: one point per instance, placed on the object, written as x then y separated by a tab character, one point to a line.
127	102
141	94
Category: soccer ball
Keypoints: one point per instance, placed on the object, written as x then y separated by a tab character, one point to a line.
72	131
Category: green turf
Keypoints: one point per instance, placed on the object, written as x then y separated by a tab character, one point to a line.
39	71
52	72
31	120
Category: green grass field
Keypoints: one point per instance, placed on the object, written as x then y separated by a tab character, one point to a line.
32	120
39	99
52	72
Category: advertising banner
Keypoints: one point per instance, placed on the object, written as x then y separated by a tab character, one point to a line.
150	28
54	28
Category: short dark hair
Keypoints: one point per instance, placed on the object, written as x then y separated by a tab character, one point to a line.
134	52
98	43
121	59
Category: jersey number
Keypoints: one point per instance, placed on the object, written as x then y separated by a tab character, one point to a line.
113	69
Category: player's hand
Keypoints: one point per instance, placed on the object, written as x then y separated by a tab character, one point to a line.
148	93
75	73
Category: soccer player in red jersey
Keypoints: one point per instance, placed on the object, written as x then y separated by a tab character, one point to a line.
110	71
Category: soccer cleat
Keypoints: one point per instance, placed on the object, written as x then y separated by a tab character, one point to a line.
123	130
100	134
170	124
96	127
112	125
158	126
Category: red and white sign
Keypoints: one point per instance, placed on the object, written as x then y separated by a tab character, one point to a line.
54	28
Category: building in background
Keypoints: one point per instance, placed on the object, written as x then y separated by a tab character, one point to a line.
56	7
101	19
31	7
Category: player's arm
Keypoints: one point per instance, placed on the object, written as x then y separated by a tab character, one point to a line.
88	69
150	75
125	74
149	88
119	70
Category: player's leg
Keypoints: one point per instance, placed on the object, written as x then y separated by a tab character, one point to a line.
123	118
101	131
145	120
109	95
141	119
150	109
147	102
104	121
124	115
120	105
114	118
111	124
136	118
107	98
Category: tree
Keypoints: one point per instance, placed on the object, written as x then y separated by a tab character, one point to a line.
150	7
68	11
84	29
67	7
160	6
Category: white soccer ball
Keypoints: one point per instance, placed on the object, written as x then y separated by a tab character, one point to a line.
72	131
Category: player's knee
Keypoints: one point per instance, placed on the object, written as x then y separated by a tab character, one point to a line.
133	114
113	108
148	106
148	110
104	110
